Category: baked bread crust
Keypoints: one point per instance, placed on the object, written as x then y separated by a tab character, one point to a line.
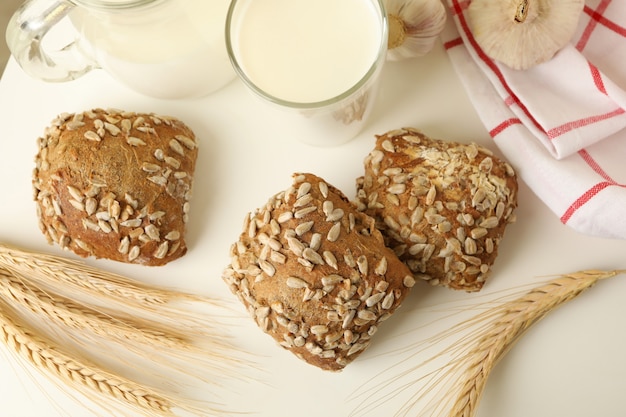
314	273
116	185
442	206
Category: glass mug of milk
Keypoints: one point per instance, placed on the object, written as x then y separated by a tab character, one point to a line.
160	48
318	60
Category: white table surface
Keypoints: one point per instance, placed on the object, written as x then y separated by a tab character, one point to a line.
570	364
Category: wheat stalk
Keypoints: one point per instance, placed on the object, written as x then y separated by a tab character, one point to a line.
511	321
456	387
133	333
62	310
80	280
50	269
45	355
95	308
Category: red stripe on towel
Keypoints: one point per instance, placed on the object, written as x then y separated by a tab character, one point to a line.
596	16
503	126
582	200
458	7
568	127
597	78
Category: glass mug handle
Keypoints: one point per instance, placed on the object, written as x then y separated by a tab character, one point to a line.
25	35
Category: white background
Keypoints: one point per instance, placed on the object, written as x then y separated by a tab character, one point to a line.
571	364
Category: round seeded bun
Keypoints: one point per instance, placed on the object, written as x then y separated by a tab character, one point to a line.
116	185
315	274
442	206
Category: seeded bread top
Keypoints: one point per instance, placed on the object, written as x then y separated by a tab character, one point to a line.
314	273
442	206
116	185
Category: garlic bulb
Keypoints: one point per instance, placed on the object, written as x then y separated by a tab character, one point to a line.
414	26
523	33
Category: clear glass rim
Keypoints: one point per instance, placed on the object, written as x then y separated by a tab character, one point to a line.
373	69
112	4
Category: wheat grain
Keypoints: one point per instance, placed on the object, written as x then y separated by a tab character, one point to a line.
57	309
94	309
512	319
82	281
451	381
84	376
68	273
139	335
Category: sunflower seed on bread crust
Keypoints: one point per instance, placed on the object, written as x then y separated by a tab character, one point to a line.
327	292
442	206
102	191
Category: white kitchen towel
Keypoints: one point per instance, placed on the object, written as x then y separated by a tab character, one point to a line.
561	124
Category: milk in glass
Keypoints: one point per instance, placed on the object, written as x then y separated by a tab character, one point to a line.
307	51
169	49
319	61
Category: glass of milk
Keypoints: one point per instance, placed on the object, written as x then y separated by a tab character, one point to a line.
317	61
161	48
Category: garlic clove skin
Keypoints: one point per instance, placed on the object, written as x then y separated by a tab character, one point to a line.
414	27
523	33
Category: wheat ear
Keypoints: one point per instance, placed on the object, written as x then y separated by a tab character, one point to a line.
510	322
80	280
58	309
45	355
451	381
50	269
133	333
94	308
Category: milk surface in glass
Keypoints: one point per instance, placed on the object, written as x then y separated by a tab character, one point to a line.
307	51
174	49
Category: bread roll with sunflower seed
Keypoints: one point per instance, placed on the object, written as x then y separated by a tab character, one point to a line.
315	274
116	185
442	206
